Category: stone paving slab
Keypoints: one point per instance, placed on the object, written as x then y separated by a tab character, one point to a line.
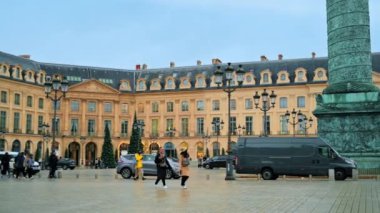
207	192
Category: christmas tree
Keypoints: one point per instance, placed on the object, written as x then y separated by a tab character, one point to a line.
107	153
135	144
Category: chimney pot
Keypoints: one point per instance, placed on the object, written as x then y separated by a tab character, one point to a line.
172	64
263	58
26	56
313	55
216	61
138	66
280	57
144	66
199	63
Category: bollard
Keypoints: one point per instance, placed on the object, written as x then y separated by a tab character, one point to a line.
310	177
77	176
331	175
39	175
207	177
355	174
302	178
258	177
59	174
96	176
284	177
378	177
116	176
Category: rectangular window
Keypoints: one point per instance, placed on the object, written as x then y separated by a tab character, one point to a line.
248	103
185	106
40	122
154	107
301	101
29	124
74	126
249	125
216	125
91	127
16	122
124	108
169	124
215	105
283	102
107	107
75	106
40	103
124	128
58	105
283	125
200	105
155	127
233	104
57	125
169	106
3	121
4	97
91	106
17	99
267	124
142	129
233	125
185	126
29	101
109	124
200	126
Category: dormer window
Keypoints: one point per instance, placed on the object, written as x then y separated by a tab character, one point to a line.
283	77
300	75
30	75
200	81
249	79
155	83
320	74
141	85
170	83
265	78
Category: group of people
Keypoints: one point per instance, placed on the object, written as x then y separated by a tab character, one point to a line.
163	164
23	165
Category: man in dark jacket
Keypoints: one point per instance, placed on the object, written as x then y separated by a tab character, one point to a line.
162	164
5	164
19	164
53	160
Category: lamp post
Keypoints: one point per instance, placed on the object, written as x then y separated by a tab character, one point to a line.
266	105
56	85
225	80
45	134
294	122
239	129
218	125
170	131
304	123
206	138
139	125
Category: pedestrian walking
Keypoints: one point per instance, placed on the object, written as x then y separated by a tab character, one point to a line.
29	165
19	164
200	162
5	165
53	160
162	164
139	166
184	160
96	163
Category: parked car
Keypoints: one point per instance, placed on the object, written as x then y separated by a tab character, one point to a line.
36	166
65	163
126	166
304	156
216	162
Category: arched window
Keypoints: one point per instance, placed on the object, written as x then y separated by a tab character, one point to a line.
169	149
141	85
16	146
266	78
170	84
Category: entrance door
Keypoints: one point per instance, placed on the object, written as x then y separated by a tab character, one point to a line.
74	152
90	154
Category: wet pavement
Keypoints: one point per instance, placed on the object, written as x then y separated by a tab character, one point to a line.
83	190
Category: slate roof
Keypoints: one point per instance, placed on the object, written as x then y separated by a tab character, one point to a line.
88	72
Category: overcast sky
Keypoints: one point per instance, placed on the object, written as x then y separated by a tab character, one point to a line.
123	33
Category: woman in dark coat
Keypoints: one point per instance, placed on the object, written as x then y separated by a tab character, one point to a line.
53	160
5	164
162	164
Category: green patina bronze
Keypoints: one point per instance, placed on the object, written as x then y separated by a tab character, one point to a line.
348	111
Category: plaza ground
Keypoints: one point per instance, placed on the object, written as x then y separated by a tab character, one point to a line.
79	191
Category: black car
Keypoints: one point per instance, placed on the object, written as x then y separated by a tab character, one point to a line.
216	162
65	163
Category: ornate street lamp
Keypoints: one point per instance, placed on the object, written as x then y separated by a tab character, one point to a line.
240	129
139	125
267	104
304	125
45	134
224	80
294	122
57	85
171	131
206	138
218	125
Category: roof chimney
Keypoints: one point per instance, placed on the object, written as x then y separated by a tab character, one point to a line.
26	56
199	63
172	64
263	58
216	61
280	56
144	66
313	55
138	66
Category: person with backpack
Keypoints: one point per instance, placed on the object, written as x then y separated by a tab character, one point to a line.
162	164
19	164
29	165
184	162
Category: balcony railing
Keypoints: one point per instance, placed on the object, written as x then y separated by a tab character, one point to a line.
124	135
18	131
29	131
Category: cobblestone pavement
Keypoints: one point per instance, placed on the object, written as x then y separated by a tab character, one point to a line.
207	192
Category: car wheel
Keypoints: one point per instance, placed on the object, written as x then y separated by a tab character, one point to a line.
71	168
126	173
340	174
169	174
207	166
64	167
267	174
